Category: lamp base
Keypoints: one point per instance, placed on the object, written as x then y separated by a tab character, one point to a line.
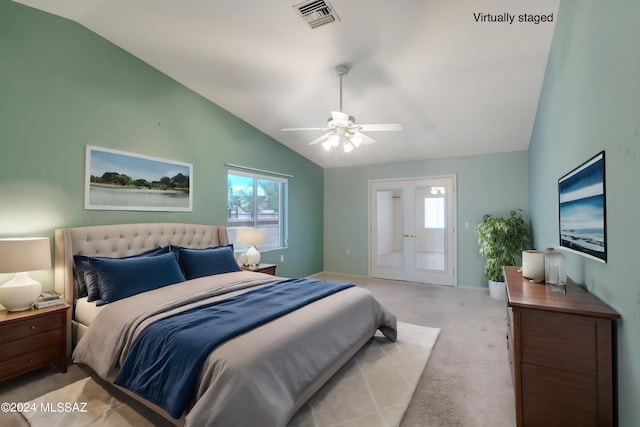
252	256
19	293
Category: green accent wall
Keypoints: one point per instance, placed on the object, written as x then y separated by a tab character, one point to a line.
63	87
493	184
590	102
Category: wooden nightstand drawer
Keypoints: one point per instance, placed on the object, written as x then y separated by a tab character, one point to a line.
28	362
28	327
48	339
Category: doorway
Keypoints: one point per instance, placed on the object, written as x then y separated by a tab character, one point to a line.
412	230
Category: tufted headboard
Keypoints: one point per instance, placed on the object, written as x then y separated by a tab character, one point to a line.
122	240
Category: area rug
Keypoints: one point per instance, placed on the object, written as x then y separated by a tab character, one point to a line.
373	389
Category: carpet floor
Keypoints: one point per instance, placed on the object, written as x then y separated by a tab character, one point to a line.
467	382
373	389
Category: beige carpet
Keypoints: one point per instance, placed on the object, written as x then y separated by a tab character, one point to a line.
373	389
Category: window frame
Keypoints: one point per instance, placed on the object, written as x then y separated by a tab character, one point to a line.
282	206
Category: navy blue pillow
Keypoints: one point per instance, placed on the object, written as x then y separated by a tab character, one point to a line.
207	262
83	273
86	281
123	277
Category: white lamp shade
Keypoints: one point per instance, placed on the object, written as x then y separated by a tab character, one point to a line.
251	237
20	256
24	254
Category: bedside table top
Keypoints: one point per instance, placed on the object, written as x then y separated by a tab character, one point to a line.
16	315
257	267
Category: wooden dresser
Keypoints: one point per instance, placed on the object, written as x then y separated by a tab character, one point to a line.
32	339
560	351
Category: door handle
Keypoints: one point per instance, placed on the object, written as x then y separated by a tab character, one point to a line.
409	235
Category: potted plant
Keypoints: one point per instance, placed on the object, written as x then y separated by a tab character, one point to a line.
501	240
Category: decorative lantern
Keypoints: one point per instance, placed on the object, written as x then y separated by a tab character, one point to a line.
555	269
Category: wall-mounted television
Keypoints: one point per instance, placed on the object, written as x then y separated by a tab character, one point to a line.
583	209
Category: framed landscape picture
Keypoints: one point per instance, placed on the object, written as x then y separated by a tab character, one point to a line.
117	180
582	200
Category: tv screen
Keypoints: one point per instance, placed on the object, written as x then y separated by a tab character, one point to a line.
582	200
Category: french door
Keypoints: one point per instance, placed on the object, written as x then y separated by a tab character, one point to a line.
412	230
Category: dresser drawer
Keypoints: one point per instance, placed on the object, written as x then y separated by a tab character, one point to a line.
510	352
561	341
558	398
31	344
29	327
28	362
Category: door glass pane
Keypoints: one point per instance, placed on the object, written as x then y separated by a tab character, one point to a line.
431	231
389	228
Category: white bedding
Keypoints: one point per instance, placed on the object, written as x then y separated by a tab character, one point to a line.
86	311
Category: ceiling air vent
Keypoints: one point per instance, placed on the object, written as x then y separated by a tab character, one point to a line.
317	13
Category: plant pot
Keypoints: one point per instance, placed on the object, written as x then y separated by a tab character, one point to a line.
497	290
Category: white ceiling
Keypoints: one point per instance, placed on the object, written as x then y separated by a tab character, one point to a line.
458	86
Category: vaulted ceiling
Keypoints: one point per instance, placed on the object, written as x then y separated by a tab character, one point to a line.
460	77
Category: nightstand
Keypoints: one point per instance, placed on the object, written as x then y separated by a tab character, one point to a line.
261	268
32	339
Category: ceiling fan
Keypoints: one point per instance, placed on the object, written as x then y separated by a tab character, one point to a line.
342	127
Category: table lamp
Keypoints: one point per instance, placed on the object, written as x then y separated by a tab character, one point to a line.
20	255
251	237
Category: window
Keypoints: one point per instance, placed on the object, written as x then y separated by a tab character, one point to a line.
257	201
434	212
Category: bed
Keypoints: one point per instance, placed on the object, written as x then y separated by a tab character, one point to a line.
260	374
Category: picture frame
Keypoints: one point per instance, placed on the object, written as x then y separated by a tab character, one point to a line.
582	209
118	180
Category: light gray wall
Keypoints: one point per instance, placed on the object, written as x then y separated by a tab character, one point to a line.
63	87
590	102
493	184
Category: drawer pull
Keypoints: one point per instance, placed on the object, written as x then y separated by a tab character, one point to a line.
33	327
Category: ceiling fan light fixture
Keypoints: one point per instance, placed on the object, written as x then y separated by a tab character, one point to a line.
333	141
342	127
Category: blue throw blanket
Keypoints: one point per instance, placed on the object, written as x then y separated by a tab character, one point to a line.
166	357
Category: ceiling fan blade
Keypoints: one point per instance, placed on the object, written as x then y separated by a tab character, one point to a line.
366	140
375	127
294	129
323	138
340	118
